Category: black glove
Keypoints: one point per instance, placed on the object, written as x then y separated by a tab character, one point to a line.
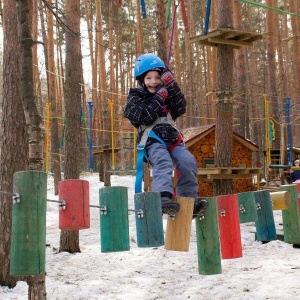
161	92
167	77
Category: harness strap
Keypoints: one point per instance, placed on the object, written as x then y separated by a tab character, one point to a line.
140	161
148	132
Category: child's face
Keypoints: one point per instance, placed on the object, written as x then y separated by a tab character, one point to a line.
152	80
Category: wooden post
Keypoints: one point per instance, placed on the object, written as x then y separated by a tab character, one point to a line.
290	217
148	217
208	245
247	207
114	224
265	224
75	193
229	226
280	200
28	235
178	231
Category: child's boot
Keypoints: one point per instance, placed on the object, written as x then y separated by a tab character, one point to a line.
167	205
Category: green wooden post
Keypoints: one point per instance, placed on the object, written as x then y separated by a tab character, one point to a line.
290	217
28	234
114	224
247	207
208	245
148	217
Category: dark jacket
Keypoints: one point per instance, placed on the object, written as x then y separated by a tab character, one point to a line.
144	108
295	175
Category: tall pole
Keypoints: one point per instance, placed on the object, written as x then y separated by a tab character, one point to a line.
90	103
111	106
289	135
267	132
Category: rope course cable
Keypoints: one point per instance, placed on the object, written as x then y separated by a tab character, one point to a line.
281	11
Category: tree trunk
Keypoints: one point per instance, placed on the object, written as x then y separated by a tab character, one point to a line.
242	111
14	142
224	105
161	30
52	94
37	287
33	118
69	240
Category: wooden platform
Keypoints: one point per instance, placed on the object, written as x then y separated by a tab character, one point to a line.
235	38
227	173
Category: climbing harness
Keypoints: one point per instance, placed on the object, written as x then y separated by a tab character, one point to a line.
142	155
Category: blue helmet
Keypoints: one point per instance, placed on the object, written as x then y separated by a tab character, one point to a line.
147	62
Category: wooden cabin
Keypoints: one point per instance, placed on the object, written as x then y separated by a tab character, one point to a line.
201	143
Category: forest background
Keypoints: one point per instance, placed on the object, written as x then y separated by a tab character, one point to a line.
114	33
45	81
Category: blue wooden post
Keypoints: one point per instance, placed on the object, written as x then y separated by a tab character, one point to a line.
143	6
265	224
148	217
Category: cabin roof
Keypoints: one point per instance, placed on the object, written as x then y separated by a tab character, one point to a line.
192	135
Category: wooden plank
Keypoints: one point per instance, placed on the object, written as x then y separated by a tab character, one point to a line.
208	171
206	43
255	38
229	176
229	42
245	37
228	35
106	150
240	171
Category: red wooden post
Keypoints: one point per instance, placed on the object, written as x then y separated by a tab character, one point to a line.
229	226
76	216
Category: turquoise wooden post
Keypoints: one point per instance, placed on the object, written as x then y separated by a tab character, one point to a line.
247	207
28	234
265	224
208	244
148	217
114	224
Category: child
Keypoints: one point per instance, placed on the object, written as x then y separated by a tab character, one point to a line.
153	107
295	174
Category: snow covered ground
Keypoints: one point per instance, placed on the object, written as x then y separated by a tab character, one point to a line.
266	271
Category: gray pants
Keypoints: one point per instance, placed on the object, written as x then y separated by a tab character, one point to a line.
163	164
